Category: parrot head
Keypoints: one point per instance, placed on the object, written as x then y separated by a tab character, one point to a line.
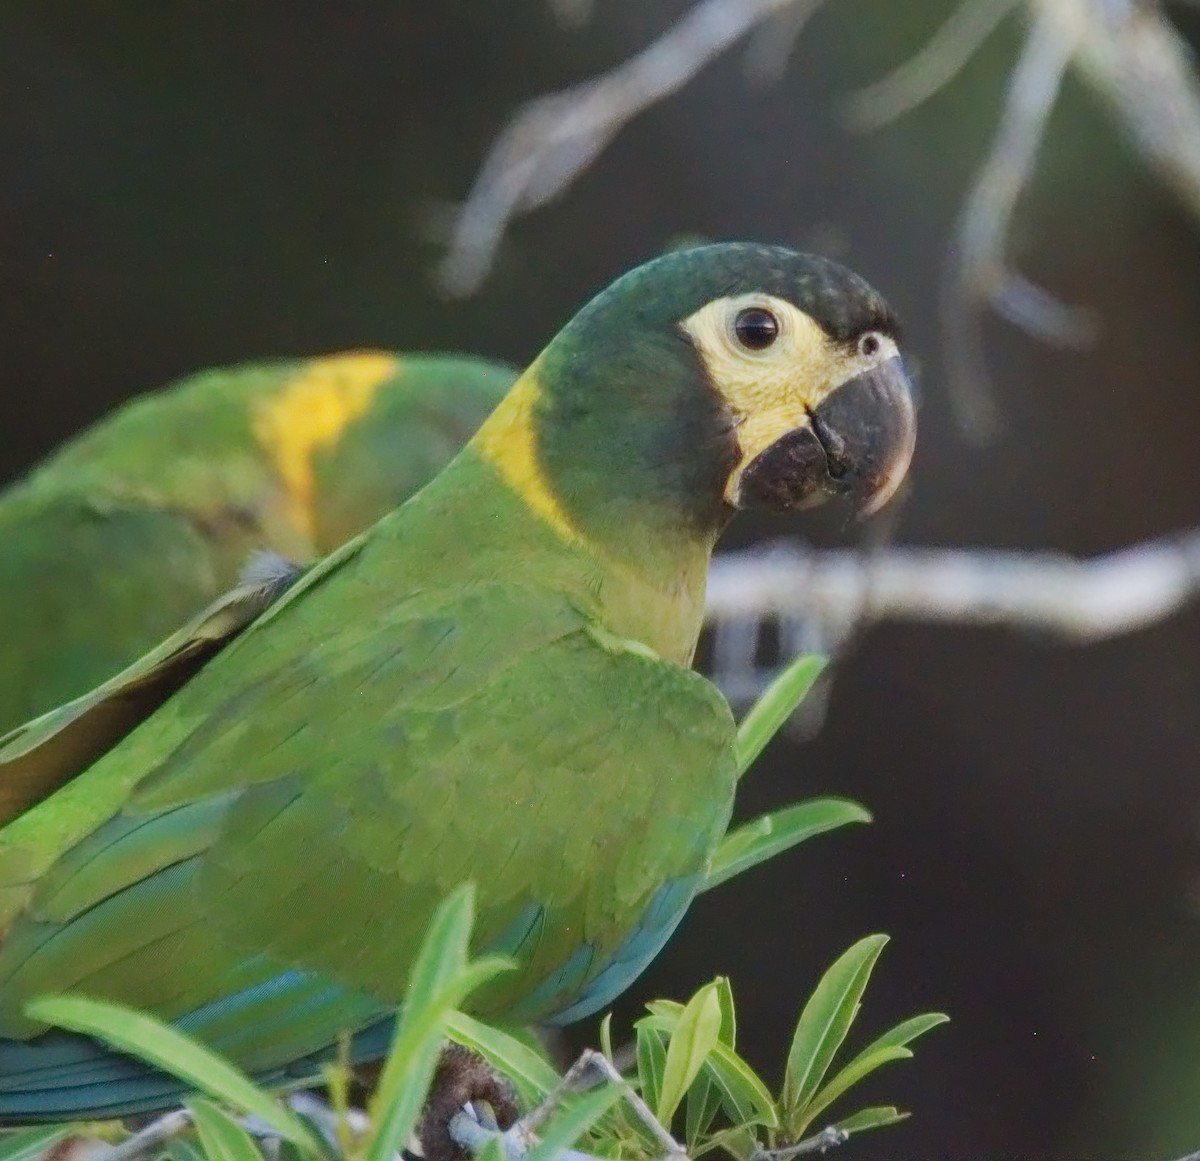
726	377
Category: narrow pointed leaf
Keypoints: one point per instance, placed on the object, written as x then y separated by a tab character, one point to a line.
825	1021
888	1047
412	1061
739	1142
906	1032
666	1013
651	1061
222	1138
569	1124
745	1098
771	834
440	980
875	1117
695	1036
858	1069
30	1144
728	1013
533	1074
606	1037
703	1104
444	947
183	1149
776	705
149	1039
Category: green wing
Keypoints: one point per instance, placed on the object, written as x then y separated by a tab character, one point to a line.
135	525
86	587
47	752
309	814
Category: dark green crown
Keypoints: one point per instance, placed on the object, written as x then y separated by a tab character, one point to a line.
630	431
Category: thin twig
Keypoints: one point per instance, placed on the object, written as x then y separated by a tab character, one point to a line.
773	41
1078	600
147	1142
939	60
978	274
553	139
576	1079
828	1138
1131	53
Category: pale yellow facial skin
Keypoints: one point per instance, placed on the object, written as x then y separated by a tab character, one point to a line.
772	391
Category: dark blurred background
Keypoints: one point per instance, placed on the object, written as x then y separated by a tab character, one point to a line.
189	184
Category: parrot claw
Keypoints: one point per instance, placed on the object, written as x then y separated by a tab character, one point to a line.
468	1130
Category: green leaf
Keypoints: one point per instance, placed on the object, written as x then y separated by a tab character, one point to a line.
222	1138
745	1098
606	1037
873	1118
859	1069
151	1040
183	1149
533	1075
440	979
695	1036
31	1143
739	1142
777	704
703	1104
825	1021
651	1061
444	948
907	1031
771	834
493	1150
888	1047
728	1035
574	1119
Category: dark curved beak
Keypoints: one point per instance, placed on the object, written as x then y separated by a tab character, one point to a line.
858	444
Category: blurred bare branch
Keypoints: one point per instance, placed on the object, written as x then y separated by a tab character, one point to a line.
1077	600
572	13
774	40
978	274
1130	52
934	66
550	141
149	1141
1127	50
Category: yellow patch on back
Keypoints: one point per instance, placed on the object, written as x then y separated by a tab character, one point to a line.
508	441
311	412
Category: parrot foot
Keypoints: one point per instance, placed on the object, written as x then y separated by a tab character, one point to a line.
464	1081
470	1130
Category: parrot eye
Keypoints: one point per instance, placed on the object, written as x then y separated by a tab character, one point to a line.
868	345
756	328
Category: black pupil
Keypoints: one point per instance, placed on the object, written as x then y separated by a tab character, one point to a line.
756	328
869	345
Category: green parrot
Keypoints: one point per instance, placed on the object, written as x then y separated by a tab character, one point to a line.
492	683
152	513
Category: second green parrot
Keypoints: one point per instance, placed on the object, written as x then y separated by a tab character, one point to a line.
492	683
131	528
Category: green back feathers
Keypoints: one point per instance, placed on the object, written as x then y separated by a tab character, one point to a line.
635	442
134	526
